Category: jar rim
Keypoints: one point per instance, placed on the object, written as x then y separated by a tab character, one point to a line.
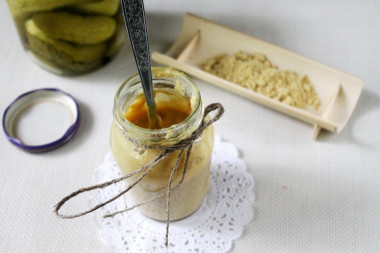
157	72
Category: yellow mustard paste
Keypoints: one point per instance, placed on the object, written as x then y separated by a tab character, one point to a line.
172	108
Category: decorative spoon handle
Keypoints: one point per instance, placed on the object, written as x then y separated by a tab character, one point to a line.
134	17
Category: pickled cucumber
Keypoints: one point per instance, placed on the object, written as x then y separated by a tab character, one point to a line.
64	54
63	66
42	5
105	7
75	28
69	36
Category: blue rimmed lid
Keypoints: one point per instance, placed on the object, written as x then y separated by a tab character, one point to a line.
41	120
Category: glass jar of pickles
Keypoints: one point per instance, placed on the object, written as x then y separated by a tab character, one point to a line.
180	112
69	37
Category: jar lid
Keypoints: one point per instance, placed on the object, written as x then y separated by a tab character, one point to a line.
41	120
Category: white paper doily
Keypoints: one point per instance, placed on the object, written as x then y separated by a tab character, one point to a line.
212	228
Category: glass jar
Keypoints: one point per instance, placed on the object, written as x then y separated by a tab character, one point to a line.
69	37
129	156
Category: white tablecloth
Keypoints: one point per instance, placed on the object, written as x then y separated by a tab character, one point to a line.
314	196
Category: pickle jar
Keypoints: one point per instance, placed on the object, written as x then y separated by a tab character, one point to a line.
127	140
69	37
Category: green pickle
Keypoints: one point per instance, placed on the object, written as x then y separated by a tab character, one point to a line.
68	55
69	37
75	28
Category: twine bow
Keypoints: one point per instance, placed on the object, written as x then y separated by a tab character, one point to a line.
144	170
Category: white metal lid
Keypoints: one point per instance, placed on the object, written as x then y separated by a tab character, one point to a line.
41	120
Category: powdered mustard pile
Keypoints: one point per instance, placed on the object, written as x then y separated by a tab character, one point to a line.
260	75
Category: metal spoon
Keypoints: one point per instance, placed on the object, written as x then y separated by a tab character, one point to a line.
134	17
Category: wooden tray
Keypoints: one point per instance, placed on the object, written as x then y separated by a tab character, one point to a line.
201	39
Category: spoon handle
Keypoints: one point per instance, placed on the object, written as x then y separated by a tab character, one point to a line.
134	17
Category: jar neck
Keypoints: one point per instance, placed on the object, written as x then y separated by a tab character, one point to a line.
163	79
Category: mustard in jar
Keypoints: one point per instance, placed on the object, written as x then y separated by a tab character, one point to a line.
180	112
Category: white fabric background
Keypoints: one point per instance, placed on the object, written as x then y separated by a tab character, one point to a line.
311	196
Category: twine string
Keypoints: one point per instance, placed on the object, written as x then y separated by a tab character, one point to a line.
144	170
